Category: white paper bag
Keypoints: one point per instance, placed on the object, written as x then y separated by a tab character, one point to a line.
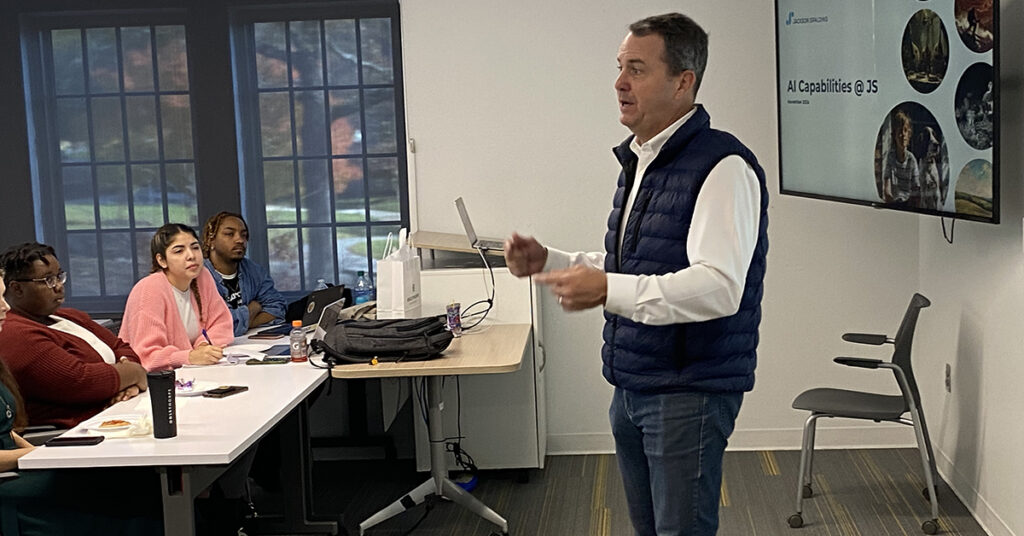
398	281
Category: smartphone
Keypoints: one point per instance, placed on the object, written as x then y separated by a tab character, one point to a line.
225	390
269	361
71	441
279	349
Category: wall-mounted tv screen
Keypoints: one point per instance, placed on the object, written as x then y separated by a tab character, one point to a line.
889	103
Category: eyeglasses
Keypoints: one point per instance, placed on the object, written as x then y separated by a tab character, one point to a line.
51	280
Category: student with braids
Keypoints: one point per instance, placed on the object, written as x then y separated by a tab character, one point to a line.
168	310
244	285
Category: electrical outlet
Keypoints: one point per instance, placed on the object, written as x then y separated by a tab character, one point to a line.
949	379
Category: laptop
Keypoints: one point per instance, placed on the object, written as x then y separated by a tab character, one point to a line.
310	308
471	234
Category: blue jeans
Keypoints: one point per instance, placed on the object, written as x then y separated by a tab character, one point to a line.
670	448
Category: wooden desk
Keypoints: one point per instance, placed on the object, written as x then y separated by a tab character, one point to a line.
212	433
494	349
446	242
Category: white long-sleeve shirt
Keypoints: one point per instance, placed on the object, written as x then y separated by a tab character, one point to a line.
720	245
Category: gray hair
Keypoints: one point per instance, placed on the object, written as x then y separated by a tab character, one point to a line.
686	43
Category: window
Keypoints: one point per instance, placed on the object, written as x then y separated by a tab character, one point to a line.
116	159
125	128
324	164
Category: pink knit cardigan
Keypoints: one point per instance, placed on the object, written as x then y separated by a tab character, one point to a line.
153	327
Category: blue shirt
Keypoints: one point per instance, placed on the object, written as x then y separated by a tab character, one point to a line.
255	284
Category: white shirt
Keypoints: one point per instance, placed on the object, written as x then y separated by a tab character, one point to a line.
720	245
183	299
66	326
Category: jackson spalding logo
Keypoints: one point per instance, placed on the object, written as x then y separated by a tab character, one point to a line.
793	19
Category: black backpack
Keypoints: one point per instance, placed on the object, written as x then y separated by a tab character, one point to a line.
401	339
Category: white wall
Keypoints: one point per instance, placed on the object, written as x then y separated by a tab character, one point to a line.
975	325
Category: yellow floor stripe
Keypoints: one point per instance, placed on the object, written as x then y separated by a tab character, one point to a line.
724	501
768	463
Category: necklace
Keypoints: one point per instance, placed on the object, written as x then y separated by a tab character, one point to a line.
9	412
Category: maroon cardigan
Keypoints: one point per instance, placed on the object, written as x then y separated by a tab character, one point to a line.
62	379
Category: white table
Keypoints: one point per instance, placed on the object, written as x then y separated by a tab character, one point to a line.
212	433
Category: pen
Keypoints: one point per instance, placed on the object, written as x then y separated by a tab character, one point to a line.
207	337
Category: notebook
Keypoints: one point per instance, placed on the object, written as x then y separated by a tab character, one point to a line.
309	309
471	234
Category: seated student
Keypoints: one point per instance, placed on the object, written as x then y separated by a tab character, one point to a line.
245	286
174	316
69	367
81	501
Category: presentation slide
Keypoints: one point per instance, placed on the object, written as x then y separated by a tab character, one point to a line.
890	103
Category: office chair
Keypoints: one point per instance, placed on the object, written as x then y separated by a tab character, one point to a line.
827	402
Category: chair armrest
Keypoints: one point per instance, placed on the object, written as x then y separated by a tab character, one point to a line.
866	338
37	438
9	475
859	362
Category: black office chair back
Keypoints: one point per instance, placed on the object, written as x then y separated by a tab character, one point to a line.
905	340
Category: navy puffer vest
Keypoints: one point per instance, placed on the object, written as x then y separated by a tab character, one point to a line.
714	356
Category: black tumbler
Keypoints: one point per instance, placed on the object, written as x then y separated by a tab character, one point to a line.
161	394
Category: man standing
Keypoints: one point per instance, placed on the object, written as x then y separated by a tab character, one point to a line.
680	282
245	286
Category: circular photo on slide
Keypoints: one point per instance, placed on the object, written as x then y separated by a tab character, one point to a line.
911	161
974	189
975	24
925	51
975	106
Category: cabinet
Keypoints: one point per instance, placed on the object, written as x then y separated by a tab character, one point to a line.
503	415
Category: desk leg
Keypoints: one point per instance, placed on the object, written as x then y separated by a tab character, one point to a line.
295	476
178	488
438	483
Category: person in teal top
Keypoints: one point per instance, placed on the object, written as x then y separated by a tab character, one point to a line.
74	501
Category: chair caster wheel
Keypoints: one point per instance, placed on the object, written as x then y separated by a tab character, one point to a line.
807	491
796	521
927	494
930	527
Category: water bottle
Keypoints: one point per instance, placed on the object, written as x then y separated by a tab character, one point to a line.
363	292
297	340
161	396
320	284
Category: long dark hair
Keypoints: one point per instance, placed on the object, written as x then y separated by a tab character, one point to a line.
158	246
6	378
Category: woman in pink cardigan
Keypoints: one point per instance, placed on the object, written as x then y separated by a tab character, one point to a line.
171	312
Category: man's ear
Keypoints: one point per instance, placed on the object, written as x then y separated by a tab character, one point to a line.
687	83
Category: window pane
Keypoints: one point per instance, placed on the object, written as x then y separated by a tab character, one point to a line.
375	37
385	189
83	271
319	255
113	189
379	236
117	263
307	69
380	121
146	199
142	142
341	52
351	254
181	194
346	130
176	120
68	75
142	254
73	130
107	129
283	250
271	63
311	136
172	61
275	124
314	187
279	188
349	202
138	59
102	46
78	198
